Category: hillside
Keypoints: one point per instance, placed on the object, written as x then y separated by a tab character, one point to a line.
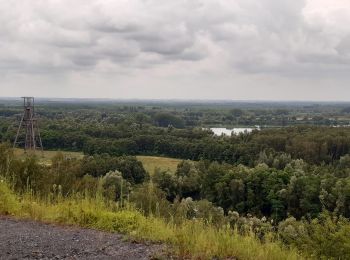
212	196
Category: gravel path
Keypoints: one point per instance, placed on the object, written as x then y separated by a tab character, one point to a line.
24	239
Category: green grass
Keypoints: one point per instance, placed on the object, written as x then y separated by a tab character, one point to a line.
46	156
150	163
193	239
9	203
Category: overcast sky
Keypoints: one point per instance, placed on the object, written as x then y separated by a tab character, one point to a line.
193	49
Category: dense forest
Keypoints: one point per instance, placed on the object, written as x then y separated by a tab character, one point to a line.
291	177
180	130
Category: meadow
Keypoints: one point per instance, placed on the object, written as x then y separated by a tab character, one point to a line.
45	156
150	163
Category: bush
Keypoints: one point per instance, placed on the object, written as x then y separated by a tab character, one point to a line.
150	200
9	203
325	237
115	187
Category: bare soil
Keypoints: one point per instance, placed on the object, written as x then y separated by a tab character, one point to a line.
24	239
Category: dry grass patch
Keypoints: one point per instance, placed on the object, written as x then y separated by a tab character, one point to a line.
150	163
45	157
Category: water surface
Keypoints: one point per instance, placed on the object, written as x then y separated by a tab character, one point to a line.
225	131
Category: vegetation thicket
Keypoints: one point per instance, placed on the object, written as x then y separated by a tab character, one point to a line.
178	130
276	193
169	207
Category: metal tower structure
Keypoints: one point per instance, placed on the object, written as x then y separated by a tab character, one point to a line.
32	139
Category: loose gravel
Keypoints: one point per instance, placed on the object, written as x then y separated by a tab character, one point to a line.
24	239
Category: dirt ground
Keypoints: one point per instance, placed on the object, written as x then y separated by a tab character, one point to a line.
24	239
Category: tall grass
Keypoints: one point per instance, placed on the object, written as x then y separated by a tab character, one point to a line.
191	239
9	203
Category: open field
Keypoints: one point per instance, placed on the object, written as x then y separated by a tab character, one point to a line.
164	163
46	156
149	162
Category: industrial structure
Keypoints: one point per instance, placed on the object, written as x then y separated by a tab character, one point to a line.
32	139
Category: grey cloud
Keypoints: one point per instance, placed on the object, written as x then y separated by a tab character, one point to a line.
343	48
276	38
99	36
107	27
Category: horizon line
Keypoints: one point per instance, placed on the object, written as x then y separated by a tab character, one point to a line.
180	99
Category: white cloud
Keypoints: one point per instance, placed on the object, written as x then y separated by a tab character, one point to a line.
169	44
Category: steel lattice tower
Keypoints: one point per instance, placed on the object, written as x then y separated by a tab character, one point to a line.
32	139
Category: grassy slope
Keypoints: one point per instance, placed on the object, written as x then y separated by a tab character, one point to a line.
191	239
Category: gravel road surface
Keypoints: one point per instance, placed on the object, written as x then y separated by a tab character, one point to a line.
24	239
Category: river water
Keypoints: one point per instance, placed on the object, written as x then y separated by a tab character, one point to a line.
219	131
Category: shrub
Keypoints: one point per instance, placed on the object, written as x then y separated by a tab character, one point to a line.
9	203
325	237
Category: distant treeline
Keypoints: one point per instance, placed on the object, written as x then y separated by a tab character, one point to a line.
137	135
176	130
315	145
